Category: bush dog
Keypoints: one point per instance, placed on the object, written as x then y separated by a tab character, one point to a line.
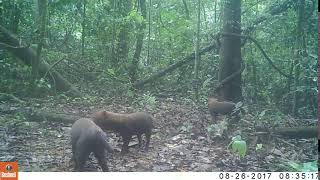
87	137
216	107
126	125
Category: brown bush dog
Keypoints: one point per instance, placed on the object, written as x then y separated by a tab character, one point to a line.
126	125
87	137
216	107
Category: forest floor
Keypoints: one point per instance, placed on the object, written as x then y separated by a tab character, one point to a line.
180	141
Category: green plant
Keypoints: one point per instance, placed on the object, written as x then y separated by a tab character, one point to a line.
186	127
238	145
258	147
147	101
304	167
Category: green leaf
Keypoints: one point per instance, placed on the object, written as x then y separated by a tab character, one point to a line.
240	147
110	72
258	147
130	93
236	138
262	113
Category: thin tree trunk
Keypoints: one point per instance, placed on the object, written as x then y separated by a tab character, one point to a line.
42	14
215	11
123	49
298	54
254	74
205	20
15	18
48	32
83	27
113	58
135	62
197	56
186	9
149	31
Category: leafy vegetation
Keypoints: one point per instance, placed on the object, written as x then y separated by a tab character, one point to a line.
79	56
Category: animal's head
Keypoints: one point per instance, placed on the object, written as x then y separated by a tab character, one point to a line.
100	116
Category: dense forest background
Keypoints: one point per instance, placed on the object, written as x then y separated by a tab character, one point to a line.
64	59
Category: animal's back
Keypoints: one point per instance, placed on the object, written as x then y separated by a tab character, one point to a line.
140	122
220	107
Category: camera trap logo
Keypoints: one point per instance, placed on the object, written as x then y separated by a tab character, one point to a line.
8	170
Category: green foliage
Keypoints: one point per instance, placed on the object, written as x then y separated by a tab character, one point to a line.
42	83
258	147
186	127
133	16
238	145
303	167
19	116
146	101
172	35
217	130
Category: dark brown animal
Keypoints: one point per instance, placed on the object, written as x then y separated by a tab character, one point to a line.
126	125
216	107
87	137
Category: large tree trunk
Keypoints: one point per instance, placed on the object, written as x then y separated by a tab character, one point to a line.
26	55
230	52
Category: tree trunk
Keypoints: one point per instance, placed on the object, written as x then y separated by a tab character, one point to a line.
230	52
15	18
215	11
186	9
123	49
42	14
113	58
197	56
149	31
26	55
298	54
83	27
140	35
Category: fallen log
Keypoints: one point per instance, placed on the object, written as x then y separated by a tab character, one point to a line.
297	132
27	55
39	115
172	67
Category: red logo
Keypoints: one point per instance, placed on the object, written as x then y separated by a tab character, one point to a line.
8	170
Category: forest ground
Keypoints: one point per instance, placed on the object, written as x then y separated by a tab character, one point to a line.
179	141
